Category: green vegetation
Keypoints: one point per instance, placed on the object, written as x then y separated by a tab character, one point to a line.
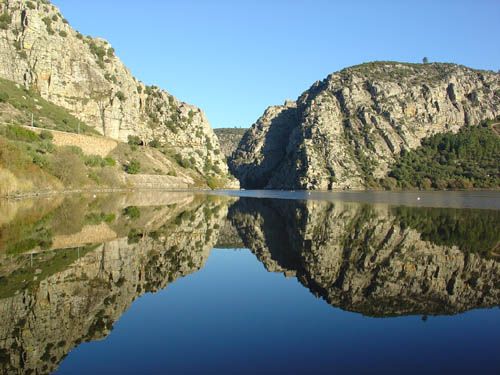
48	25
63	33
45	114
133	167
5	20
121	96
132	212
98	51
95	218
30	161
155	143
134	140
467	159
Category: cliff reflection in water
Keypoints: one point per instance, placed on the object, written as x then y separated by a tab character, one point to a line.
376	259
69	268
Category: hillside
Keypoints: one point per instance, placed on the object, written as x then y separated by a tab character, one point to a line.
60	152
468	159
229	138
40	51
350	129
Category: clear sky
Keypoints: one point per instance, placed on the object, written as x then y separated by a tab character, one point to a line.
234	58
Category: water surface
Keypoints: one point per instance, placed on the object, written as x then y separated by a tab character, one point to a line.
265	283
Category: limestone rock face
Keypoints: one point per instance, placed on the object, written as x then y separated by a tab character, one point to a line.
371	259
40	50
351	126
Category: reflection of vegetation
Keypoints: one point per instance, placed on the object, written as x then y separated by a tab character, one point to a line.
22	236
37	229
43	265
470	230
102	323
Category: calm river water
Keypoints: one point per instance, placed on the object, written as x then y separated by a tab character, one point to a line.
251	282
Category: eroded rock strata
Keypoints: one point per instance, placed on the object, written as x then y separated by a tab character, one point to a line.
41	51
351	126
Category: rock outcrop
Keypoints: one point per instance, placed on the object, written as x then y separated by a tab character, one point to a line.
40	50
229	139
350	127
376	260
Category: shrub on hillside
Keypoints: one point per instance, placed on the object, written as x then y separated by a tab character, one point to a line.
109	161
121	96
5	20
132	212
133	167
155	143
134	140
94	161
108	176
19	133
46	135
68	167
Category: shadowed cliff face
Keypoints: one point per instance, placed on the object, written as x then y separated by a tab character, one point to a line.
113	251
378	260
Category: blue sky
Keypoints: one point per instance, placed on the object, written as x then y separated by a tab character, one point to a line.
235	58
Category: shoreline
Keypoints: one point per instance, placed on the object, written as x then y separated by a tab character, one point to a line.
50	193
243	192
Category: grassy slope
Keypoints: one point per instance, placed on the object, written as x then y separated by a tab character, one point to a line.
45	114
30	162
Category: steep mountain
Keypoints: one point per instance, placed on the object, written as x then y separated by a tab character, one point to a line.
40	51
229	138
347	130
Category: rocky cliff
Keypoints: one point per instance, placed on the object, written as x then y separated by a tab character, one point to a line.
350	127
376	260
40	50
229	139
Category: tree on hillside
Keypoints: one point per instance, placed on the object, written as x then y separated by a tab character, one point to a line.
425	60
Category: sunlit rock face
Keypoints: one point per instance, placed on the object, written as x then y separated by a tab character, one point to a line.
51	300
41	51
377	260
350	127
